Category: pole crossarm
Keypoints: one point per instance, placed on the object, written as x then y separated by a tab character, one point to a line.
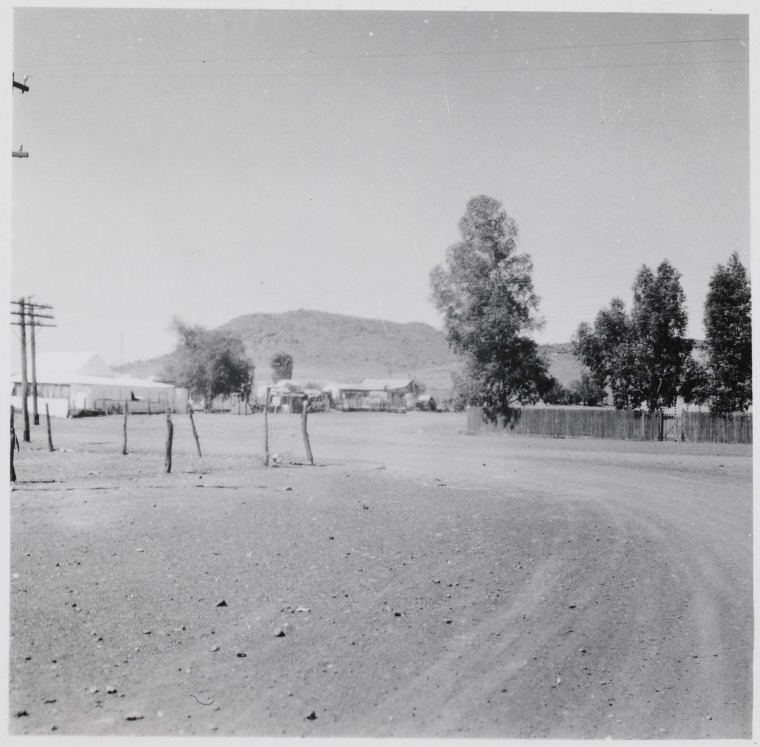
21	86
28	311
31	313
29	304
20	153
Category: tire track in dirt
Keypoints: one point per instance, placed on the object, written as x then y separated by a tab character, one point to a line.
625	575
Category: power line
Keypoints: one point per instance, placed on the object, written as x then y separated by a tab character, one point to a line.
294	74
414	55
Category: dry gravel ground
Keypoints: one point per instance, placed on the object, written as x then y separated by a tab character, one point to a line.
418	582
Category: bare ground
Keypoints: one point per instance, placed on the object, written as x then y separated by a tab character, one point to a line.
428	583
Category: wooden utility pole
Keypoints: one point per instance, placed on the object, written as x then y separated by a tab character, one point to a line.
13	443
35	412
24	380
34	317
266	427
195	432
304	415
126	415
29	316
169	438
50	432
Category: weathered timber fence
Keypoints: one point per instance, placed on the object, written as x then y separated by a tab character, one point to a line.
617	424
726	429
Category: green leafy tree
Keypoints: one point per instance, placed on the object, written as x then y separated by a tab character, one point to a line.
485	293
583	391
728	338
659	319
282	366
695	382
641	356
607	350
586	391
563	395
557	395
210	363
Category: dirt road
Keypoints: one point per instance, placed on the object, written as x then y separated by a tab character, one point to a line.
419	582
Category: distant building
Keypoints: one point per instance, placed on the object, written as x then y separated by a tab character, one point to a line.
287	396
74	383
426	403
391	395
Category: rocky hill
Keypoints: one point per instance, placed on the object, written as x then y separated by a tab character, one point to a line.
563	365
332	347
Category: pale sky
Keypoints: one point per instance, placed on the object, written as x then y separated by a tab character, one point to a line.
210	164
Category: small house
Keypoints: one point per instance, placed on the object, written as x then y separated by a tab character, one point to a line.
287	396
426	403
375	395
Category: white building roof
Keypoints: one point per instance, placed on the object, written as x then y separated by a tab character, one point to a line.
82	368
388	385
369	385
284	386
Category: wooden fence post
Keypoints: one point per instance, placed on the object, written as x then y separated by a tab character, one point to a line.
50	432
195	432
169	438
304	415
266	427
126	414
13	443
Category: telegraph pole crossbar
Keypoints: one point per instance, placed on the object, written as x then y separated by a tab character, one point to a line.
23	87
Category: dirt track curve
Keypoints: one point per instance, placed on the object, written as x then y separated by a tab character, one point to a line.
426	583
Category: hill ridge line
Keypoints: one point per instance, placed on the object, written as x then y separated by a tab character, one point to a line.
326	346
